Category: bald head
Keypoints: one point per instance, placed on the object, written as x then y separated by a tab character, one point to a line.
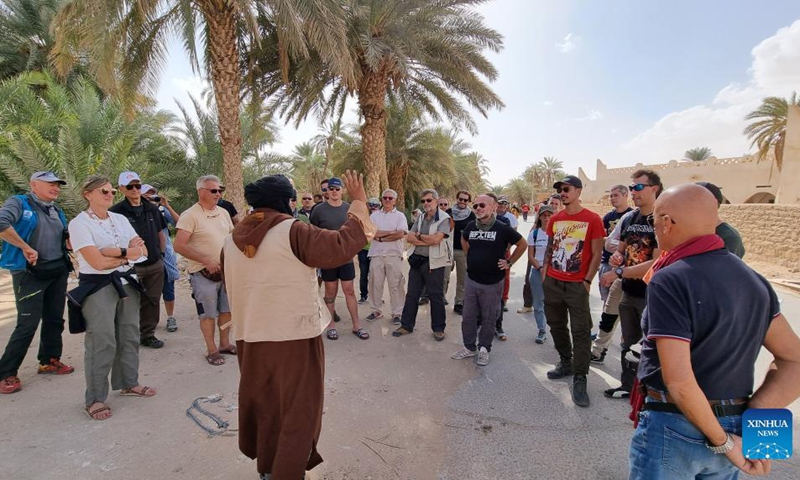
684	212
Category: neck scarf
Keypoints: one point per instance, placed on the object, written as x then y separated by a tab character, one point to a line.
40	201
460	213
690	248
485	226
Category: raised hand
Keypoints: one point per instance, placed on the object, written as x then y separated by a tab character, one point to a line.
354	183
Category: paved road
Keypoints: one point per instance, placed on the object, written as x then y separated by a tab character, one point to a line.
395	409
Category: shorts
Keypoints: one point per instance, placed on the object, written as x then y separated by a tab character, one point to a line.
168	291
210	298
345	273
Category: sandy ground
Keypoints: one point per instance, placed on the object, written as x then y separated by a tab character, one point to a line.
394	409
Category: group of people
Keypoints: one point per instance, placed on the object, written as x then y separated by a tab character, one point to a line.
667	270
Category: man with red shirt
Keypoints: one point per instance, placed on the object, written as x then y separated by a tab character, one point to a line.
571	262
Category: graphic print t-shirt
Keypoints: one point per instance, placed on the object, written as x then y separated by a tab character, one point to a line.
640	241
609	222
572	244
486	248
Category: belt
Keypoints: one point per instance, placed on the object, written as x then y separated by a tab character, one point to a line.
737	408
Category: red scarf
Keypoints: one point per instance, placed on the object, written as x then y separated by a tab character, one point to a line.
690	248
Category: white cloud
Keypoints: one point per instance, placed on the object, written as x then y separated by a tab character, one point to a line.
591	116
193	86
775	71
569	44
547	103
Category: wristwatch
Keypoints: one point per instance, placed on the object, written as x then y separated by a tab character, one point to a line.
618	271
722	449
123	252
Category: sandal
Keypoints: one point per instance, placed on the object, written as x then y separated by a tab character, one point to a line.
361	333
96	413
215	359
229	350
144	392
332	334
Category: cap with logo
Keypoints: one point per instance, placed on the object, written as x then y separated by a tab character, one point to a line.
335	182
47	177
126	178
569	180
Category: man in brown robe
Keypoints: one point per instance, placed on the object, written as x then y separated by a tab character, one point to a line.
269	265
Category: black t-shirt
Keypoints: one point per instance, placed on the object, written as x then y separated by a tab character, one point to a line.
486	248
147	220
459	227
609	222
228	206
722	308
640	241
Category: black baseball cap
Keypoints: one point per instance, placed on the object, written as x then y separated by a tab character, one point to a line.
715	190
569	180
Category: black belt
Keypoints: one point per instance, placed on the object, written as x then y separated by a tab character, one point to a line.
719	410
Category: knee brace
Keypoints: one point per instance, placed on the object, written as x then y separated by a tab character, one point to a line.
329	300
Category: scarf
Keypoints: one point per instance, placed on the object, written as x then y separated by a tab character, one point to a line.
41	202
273	191
460	214
485	226
690	248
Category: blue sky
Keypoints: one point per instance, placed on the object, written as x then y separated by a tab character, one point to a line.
623	81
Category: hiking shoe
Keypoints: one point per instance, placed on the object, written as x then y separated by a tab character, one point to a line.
172	324
524	310
362	300
563	369
423	301
599	359
439	336
458	308
400	332
541	336
483	357
462	354
501	335
580	396
618	392
374	316
10	385
396	320
152	342
56	367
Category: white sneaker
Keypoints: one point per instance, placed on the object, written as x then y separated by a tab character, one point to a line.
462	354
524	310
483	357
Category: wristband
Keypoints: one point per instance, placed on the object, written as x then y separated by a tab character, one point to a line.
587	281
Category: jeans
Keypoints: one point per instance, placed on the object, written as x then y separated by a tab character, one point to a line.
537	294
666	446
36	300
604	268
363	275
420	277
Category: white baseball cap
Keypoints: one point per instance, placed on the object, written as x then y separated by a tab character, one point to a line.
146	188
127	177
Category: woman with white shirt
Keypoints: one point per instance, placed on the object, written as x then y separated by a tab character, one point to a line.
537	244
106	246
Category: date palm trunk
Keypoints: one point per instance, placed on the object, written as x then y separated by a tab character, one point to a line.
372	103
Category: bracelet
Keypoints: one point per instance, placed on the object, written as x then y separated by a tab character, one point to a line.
587	281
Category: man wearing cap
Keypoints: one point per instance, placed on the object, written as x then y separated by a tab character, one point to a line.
728	234
34	230
149	224
571	261
386	258
331	215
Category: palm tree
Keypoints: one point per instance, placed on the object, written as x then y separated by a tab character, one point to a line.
127	40
518	191
697	154
497	189
25	37
768	129
551	170
423	53
308	166
325	141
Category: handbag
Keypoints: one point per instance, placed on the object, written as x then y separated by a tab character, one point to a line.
416	261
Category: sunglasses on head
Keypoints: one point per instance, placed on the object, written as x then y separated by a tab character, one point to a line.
638	187
476	206
215	191
463	200
131	186
426	200
106	191
388	198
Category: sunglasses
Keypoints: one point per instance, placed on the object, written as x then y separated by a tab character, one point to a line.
426	200
638	187
651	219
444	204
137	186
106	191
215	191
463	200
334	189
307	198
564	189
388	198
324	189
476	206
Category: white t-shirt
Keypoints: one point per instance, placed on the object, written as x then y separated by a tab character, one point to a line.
511	218
390	221
540	243
114	231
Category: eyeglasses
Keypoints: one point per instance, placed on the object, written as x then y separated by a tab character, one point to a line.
564	189
476	206
426	200
215	191
465	200
106	191
443	204
651	219
388	198
131	186
307	198
638	187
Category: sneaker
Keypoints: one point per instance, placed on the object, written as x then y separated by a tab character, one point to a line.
505	309
458	308
501	335
563	369
397	320
541	336
400	332
151	342
423	301
336	317
56	367
374	316
483	357
10	385
580	396
172	324
599	359
439	336
362	300
524	310
462	354
593	337
618	392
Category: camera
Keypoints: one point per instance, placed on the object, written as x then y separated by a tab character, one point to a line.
155	199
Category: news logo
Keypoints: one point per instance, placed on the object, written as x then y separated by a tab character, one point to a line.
767	433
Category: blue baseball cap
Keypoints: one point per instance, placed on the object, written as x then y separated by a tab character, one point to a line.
335	182
47	177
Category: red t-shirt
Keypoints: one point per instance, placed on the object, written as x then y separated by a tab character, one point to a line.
572	244
526	208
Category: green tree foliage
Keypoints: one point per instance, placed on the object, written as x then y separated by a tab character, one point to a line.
698	154
768	126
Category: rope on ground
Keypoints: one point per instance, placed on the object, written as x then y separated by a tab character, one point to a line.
222	425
